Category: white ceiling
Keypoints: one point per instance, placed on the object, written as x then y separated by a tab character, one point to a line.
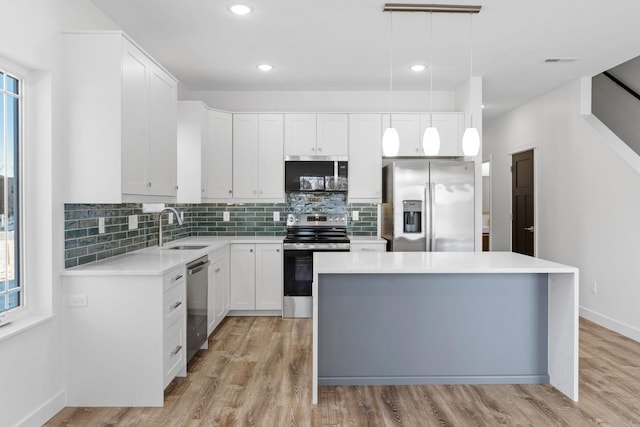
344	44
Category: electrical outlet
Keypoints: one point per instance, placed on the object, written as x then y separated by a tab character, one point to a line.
133	222
226	216
181	215
594	287
79	300
170	218
101	225
355	215
276	216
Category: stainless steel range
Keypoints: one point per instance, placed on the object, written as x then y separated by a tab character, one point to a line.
306	234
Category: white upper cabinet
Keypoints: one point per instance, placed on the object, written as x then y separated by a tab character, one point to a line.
258	161
411	128
204	153
365	157
217	157
450	128
192	137
316	135
332	134
118	120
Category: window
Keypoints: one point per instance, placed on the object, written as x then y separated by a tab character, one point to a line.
11	292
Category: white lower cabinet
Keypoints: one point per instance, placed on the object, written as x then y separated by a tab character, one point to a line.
125	337
218	292
256	276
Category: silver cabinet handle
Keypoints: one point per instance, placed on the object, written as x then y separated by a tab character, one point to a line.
367	250
319	148
217	270
176	305
250	250
277	250
178	277
230	191
176	351
529	229
148	184
203	190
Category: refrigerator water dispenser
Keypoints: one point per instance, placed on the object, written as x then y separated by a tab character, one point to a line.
412	214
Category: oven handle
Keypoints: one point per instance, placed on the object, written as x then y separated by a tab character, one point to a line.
308	247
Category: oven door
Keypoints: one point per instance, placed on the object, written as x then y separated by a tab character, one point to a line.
298	280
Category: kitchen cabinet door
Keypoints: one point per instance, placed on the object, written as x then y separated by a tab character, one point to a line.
300	135
135	120
332	134
450	128
269	277
408	127
218	296
243	277
192	133
217	157
163	95
365	157
270	156
245	156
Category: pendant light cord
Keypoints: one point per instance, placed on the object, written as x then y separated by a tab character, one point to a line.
470	66
390	63
430	69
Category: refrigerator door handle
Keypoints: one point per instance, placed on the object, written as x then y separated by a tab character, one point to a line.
432	214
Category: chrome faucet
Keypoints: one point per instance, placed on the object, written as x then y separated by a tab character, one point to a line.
175	212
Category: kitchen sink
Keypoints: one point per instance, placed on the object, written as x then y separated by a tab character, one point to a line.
187	247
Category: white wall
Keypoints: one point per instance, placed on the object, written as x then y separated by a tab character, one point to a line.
324	101
32	385
588	207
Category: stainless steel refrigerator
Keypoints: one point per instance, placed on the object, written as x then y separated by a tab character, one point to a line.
428	205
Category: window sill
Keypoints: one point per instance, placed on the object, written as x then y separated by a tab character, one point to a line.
22	323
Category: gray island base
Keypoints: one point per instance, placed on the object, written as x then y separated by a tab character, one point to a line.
444	318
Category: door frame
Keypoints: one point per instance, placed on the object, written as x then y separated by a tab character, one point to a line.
536	157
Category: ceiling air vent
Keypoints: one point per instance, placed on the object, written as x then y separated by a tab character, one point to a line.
565	59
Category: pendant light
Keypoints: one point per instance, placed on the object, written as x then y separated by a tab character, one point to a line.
390	138
431	138
471	137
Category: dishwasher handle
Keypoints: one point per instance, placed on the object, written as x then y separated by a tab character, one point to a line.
198	268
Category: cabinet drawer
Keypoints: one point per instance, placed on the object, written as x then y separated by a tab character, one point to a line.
174	359
173	278
174	304
368	247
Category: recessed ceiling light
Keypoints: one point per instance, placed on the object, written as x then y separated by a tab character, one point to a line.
240	9
418	67
265	67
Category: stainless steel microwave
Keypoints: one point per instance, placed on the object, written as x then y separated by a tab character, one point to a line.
315	175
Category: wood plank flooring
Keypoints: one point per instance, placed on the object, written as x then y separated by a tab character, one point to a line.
257	372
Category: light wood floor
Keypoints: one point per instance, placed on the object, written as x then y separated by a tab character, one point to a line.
258	372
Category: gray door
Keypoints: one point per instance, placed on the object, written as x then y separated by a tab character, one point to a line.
452	206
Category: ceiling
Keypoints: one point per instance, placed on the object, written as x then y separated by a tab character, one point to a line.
318	45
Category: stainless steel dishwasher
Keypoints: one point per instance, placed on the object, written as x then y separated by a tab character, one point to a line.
197	289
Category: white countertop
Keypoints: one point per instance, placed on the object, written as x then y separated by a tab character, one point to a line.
157	261
433	262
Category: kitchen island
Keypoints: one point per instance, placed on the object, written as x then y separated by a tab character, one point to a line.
444	318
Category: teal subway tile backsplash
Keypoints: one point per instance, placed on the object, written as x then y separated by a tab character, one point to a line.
83	243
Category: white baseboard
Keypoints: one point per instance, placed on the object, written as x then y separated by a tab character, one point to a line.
609	323
45	412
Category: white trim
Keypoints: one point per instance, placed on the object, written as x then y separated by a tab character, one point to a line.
45	411
610	323
18	324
